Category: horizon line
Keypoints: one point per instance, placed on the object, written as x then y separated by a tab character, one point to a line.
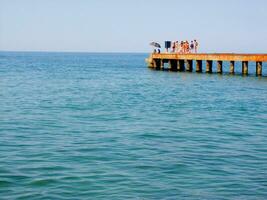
52	51
110	52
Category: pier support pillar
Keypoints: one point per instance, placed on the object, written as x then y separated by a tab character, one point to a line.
245	67
209	66
173	65
180	65
157	63
219	66
258	68
154	64
189	65
150	62
232	67
199	66
161	64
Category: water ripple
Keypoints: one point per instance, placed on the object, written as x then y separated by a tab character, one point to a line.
103	126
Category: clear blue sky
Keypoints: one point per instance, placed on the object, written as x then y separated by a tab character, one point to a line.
129	25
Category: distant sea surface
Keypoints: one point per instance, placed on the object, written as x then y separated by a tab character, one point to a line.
104	126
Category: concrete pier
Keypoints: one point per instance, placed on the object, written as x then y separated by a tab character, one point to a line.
199	66
180	65
259	68
232	67
184	62
209	66
245	67
219	66
173	65
189	65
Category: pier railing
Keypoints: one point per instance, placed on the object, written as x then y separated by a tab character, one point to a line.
184	62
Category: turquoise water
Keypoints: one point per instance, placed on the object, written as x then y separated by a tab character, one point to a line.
104	126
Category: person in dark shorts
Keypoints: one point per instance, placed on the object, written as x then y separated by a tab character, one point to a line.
173	47
182	47
196	45
192	46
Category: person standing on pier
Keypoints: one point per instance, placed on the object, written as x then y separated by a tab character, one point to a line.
173	47
192	47
177	46
196	45
187	47
182	47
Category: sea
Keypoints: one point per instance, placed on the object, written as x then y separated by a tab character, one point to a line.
104	126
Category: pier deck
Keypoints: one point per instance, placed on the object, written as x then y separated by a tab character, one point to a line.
181	62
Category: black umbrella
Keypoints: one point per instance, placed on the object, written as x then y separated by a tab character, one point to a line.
155	44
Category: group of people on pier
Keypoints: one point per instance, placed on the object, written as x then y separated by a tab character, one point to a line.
184	47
